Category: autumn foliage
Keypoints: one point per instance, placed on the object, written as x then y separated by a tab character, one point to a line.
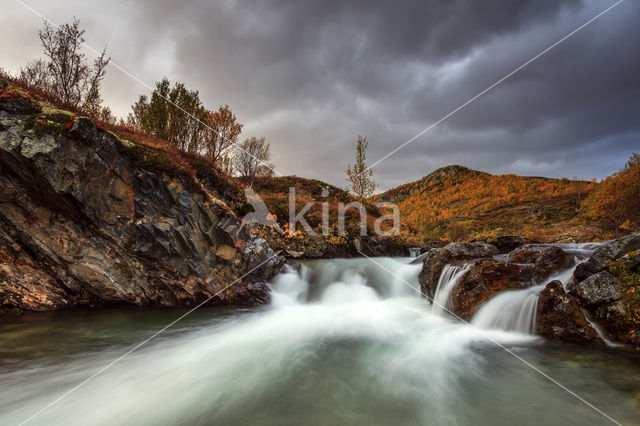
617	199
457	192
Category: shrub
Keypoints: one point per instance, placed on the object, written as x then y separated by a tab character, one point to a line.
617	199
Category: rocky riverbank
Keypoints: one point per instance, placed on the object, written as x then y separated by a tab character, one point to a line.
597	302
85	221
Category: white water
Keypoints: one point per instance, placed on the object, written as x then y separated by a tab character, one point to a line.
449	278
512	310
224	367
344	342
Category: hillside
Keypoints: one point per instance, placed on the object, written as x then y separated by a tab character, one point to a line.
274	191
455	203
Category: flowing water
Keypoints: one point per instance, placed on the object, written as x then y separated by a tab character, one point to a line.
449	278
343	342
515	310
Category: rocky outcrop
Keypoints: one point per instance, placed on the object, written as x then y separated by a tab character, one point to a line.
605	285
84	225
559	317
437	258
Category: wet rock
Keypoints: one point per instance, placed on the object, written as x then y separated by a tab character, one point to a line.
485	278
627	244
437	258
599	288
615	249
524	267
560	318
261	261
611	311
293	254
547	259
609	251
591	266
507	243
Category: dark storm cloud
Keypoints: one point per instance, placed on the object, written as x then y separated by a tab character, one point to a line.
311	75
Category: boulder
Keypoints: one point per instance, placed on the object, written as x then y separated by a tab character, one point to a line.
485	278
437	258
599	288
558	317
599	260
591	266
547	259
627	243
609	251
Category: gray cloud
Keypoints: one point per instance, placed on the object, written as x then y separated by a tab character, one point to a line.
312	75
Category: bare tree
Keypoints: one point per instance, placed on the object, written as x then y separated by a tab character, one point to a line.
36	73
71	78
252	159
360	176
92	99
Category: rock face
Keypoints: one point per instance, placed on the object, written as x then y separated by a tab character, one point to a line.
437	258
82	225
559	317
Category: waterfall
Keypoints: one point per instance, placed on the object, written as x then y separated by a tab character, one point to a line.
449	278
513	310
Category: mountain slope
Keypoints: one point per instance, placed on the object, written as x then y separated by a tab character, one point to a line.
456	202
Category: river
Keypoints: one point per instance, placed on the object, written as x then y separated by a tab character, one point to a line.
345	341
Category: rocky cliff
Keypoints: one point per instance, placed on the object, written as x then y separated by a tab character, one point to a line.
86	223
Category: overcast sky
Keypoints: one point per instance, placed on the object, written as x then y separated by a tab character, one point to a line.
312	75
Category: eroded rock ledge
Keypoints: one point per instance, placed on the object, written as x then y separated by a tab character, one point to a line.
83	225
